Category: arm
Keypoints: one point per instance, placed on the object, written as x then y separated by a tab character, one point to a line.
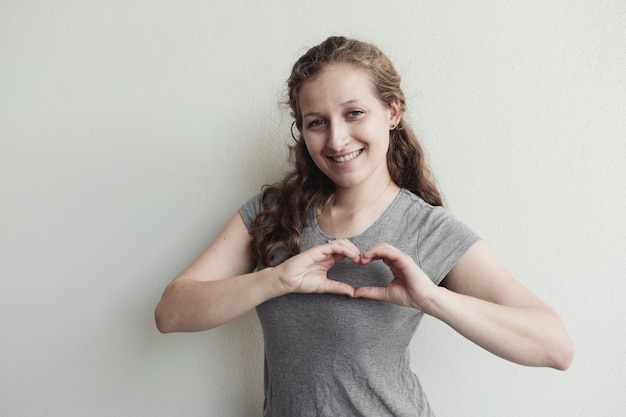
483	302
220	285
217	287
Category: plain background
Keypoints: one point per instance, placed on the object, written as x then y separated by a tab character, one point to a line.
130	131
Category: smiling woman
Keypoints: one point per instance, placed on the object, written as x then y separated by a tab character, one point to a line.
346	128
343	257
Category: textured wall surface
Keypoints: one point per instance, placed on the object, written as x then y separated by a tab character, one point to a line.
131	131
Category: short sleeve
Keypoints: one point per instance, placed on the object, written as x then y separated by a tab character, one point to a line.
442	241
250	210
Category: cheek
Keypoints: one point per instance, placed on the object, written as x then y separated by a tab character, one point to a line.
312	146
378	136
314	151
307	145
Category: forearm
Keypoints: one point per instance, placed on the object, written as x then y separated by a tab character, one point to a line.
189	305
533	336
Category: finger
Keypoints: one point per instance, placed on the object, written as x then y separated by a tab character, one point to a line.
382	251
341	247
373	293
335	287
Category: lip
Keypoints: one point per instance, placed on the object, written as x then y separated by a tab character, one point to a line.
340	159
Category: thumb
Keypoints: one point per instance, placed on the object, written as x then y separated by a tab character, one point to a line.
373	293
335	287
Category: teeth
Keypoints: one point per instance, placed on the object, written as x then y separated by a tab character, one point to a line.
348	157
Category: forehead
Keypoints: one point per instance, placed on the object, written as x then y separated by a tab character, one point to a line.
336	83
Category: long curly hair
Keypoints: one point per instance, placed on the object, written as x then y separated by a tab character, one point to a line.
287	205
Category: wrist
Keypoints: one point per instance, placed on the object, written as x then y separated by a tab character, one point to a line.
434	301
276	287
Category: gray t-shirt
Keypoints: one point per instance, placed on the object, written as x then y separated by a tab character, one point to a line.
331	355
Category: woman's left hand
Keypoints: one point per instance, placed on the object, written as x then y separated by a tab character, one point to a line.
480	300
410	286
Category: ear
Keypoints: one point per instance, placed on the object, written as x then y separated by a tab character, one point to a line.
395	113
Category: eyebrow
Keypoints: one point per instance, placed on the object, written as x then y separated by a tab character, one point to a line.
344	104
311	113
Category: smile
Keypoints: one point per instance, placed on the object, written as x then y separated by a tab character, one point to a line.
348	157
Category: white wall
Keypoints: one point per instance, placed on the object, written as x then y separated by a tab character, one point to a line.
131	131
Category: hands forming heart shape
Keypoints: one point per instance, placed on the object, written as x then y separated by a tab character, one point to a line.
307	273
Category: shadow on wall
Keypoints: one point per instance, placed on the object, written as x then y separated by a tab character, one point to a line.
238	345
223	365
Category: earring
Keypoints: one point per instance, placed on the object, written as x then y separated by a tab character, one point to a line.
393	127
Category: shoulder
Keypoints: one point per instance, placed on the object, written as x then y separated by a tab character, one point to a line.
411	207
440	238
409	214
251	209
266	203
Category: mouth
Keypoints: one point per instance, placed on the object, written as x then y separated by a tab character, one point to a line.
346	158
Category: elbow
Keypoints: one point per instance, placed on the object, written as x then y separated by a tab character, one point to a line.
561	354
165	323
558	348
167	314
564	357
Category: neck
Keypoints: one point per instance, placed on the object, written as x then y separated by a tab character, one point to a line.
356	198
353	210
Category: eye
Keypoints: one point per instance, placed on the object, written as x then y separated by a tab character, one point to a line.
316	123
354	113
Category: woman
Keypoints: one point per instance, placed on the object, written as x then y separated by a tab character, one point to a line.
307	252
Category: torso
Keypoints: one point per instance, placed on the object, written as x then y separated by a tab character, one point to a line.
330	355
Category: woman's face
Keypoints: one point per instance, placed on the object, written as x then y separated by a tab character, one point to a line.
346	127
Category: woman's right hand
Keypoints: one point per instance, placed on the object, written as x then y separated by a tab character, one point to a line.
307	271
221	285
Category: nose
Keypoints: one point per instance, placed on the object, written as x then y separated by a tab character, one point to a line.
337	136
